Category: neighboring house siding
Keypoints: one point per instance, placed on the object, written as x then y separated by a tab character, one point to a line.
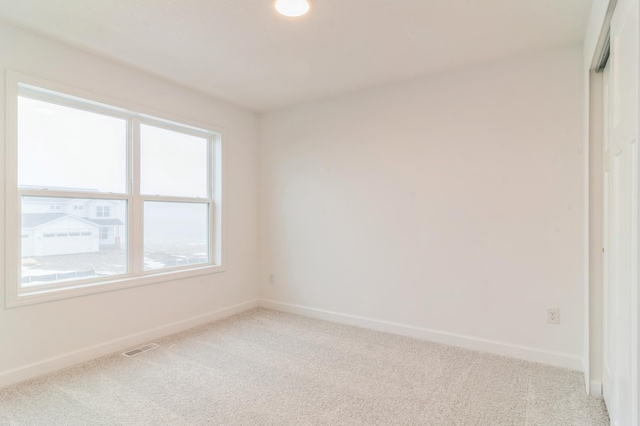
42	207
27	242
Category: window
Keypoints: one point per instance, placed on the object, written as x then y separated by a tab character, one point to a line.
103	211
154	186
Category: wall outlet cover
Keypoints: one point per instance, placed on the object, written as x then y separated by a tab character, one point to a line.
553	315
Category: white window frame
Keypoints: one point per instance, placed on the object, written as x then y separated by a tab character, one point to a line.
136	115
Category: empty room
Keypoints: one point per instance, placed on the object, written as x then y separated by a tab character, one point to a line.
319	212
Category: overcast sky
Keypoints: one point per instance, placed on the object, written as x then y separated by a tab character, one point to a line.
68	148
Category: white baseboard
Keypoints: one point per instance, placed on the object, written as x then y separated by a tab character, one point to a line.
595	388
500	348
69	359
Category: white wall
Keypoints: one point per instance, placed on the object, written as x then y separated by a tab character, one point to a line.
32	338
452	203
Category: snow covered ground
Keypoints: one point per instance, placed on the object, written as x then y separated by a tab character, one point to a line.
43	269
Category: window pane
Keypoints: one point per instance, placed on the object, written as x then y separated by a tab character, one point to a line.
175	234
70	149
69	243
172	163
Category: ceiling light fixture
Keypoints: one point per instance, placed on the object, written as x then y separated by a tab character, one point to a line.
292	8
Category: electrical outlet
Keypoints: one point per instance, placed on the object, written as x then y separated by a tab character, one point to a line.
553	315
272	279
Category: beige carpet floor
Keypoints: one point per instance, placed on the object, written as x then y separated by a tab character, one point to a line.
269	368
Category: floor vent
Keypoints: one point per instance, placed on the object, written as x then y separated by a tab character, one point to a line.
141	349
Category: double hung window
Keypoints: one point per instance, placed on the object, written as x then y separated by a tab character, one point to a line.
102	196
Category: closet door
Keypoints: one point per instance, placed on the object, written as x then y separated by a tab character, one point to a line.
620	289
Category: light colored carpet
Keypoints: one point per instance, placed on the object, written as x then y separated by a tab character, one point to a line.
269	368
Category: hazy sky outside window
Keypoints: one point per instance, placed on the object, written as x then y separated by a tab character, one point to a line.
176	228
67	148
172	163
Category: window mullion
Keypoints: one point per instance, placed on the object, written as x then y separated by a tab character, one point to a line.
136	228
214	252
171	199
72	194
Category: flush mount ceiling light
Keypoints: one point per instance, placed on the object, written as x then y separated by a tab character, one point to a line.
292	8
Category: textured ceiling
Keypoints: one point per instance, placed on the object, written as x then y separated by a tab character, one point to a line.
242	51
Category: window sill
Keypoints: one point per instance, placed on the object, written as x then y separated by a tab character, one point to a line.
31	296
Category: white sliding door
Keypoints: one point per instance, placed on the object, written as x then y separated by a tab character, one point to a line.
620	285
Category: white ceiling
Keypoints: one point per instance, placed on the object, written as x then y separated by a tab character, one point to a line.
242	51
